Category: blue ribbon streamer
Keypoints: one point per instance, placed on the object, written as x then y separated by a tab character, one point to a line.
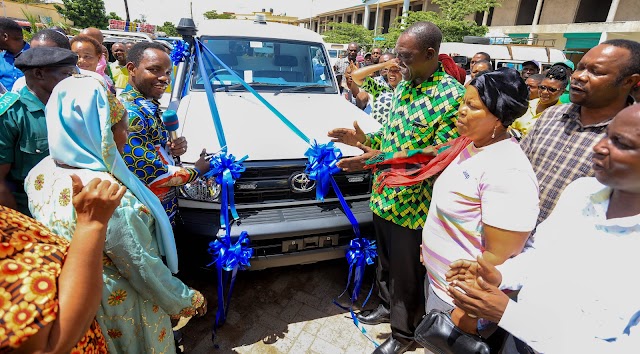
210	97
228	256
322	165
179	52
284	120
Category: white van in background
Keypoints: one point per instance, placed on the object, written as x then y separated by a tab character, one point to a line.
509	55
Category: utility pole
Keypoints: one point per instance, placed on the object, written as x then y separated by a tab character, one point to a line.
191	6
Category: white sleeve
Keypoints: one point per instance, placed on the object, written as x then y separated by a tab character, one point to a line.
559	334
510	200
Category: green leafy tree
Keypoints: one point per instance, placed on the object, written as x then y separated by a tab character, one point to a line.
84	13
113	16
344	32
452	20
169	29
213	15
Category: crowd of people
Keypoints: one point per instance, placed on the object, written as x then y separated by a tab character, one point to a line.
482	185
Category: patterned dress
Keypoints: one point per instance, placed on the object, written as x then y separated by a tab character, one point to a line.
420	116
381	95
139	292
31	259
147	154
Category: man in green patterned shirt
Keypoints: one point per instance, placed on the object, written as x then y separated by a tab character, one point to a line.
423	112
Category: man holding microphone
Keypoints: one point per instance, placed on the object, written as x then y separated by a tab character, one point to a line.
150	151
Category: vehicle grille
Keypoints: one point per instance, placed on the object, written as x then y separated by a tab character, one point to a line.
271	182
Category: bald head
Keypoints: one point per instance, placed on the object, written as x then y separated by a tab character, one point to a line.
93	33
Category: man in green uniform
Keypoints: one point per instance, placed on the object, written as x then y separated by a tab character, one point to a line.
23	129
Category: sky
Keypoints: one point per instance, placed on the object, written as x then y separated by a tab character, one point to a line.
159	11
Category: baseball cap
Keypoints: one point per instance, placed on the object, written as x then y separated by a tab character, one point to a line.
537	64
568	63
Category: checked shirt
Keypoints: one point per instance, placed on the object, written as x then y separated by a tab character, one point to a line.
420	116
559	148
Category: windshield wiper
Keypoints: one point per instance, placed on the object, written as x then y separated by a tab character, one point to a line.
301	88
241	87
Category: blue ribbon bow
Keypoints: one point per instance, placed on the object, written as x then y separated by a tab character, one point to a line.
361	252
322	166
180	52
228	256
226	170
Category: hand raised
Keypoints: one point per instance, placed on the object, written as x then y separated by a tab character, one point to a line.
96	202
202	164
348	136
357	163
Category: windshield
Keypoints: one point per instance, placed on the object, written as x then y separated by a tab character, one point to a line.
266	64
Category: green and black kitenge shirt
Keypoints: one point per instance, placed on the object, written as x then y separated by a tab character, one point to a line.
420	116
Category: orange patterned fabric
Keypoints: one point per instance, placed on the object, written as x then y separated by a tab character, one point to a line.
31	260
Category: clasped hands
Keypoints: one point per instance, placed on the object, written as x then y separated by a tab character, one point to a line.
473	285
353	137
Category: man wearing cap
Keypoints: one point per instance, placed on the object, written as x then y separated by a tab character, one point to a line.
571	67
529	68
23	129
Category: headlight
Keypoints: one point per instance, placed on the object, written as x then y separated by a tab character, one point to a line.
206	190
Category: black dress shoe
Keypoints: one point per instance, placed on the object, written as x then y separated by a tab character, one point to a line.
392	346
374	317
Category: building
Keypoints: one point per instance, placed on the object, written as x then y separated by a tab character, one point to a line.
574	26
45	13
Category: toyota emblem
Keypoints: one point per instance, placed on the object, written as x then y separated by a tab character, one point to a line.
300	183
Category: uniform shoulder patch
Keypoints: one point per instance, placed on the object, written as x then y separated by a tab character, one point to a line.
7	100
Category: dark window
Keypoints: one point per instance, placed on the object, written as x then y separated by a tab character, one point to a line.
372	20
480	15
359	19
526	12
349	18
593	11
416	8
386	19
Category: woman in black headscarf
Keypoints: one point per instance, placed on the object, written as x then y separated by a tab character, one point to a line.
486	199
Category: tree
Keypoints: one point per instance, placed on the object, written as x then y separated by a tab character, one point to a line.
169	29
213	15
451	20
344	32
113	16
84	13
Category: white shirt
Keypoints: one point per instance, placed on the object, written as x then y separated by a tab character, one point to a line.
494	185
579	281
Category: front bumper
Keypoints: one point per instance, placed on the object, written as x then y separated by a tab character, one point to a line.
280	236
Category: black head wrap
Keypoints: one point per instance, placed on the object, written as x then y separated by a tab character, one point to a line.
504	93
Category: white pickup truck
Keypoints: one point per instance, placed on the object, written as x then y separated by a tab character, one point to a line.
274	197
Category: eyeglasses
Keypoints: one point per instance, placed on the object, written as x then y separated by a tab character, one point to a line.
547	88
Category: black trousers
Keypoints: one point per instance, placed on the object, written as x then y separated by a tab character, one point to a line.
400	276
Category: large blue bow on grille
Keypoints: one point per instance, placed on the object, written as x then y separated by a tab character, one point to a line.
361	252
226	170
179	52
322	165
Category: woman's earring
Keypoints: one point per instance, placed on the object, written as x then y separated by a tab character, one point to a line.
494	133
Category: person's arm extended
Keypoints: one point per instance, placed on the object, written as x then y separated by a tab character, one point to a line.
359	75
80	280
6	197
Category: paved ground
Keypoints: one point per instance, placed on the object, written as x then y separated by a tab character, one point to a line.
282	310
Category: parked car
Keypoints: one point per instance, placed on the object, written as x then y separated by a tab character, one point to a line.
274	197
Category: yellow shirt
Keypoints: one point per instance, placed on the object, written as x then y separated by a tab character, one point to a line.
526	122
120	75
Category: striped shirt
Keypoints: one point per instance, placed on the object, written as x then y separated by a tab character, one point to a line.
420	116
560	147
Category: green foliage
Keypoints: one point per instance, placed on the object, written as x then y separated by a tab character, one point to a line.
344	32
84	13
457	10
213	15
113	16
33	23
169	29
452	30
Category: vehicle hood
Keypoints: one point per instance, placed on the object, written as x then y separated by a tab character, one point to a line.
250	128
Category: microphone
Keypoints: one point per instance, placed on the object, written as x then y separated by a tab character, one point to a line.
171	123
